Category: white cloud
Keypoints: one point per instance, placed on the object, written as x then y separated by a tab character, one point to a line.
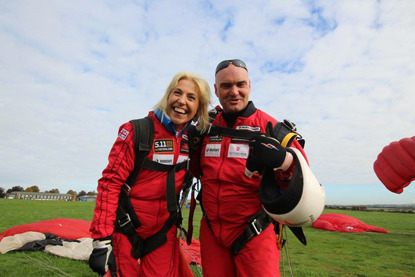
72	72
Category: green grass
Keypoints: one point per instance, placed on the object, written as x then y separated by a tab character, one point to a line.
358	254
31	264
327	253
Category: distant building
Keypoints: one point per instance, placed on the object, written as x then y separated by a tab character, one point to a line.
40	196
87	198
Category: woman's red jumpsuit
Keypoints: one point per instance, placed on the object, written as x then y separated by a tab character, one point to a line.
148	197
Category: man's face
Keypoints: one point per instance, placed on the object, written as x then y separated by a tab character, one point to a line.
232	87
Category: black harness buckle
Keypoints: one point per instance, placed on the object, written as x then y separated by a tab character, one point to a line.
256	228
126	188
126	219
258	223
187	164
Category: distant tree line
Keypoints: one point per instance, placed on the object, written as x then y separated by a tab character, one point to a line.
3	192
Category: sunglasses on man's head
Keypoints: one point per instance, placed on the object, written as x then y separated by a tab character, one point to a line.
224	64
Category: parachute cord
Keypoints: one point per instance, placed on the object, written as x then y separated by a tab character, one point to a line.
288	255
197	267
283	264
199	270
280	245
280	240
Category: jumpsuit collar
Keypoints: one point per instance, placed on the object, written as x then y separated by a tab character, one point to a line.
230	118
166	121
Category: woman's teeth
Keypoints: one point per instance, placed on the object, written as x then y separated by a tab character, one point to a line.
179	110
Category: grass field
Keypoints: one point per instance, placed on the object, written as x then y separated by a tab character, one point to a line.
327	253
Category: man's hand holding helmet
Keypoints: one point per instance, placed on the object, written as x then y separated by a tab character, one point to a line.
266	152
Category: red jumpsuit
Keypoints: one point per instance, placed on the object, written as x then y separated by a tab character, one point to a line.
230	199
148	197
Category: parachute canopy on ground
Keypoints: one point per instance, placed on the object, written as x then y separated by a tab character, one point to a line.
344	223
71	238
65	228
395	165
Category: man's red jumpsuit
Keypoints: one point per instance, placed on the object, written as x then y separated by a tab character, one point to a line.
148	197
230	199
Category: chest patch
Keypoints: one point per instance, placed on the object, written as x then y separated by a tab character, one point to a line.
163	146
212	150
216	138
248	128
238	151
182	158
163	159
184	147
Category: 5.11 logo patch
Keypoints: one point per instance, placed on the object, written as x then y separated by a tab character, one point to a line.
163	146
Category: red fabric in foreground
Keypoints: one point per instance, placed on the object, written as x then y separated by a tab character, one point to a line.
67	228
64	228
184	264
344	223
191	252
395	165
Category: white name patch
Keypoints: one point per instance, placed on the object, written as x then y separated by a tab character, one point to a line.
238	151
248	128
212	150
181	158
163	159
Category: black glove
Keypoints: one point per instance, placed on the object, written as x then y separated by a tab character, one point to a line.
264	152
102	258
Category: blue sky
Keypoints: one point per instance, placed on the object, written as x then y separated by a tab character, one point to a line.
73	71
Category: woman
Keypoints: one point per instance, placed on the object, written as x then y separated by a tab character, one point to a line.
185	100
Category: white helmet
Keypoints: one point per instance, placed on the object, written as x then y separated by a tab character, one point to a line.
301	203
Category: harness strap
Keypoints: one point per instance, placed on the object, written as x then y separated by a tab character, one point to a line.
127	221
155	166
171	191
287	140
124	206
171	179
286	132
259	222
142	247
159	238
191	214
214	130
127	224
278	230
143	136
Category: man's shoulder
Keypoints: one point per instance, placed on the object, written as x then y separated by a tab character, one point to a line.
263	116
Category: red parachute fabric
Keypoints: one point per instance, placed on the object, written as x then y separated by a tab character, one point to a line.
191	252
184	267
395	165
74	229
64	228
344	223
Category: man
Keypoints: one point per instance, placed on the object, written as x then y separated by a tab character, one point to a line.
229	197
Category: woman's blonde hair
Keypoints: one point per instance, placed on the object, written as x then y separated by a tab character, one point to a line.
202	116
